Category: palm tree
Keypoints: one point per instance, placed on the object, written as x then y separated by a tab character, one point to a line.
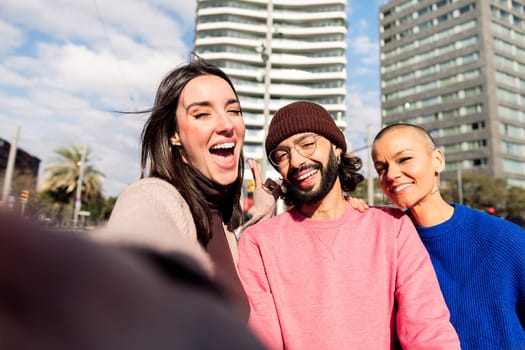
63	173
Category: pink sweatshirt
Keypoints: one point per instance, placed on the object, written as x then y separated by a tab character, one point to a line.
348	283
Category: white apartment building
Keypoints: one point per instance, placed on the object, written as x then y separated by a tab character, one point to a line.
457	68
276	52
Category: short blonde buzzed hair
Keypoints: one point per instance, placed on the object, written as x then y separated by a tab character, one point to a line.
416	128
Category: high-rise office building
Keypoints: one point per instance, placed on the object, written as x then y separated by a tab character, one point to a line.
276	52
457	68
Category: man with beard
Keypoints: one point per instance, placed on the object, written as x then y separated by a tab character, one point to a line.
325	276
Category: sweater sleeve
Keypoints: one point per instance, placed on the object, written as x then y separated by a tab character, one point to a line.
152	214
263	208
423	319
263	319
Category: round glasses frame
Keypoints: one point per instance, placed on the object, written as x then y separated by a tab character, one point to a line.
304	146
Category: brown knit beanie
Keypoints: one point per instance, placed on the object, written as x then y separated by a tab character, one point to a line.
299	117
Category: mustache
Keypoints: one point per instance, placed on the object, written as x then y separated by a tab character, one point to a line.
305	167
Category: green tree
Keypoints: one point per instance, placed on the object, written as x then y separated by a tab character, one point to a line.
361	191
59	188
515	205
479	191
482	191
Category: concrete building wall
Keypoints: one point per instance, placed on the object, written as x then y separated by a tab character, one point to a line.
457	68
25	173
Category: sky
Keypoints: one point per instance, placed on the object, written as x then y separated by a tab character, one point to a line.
67	66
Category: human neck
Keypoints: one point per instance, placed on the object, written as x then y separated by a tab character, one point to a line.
330	207
431	211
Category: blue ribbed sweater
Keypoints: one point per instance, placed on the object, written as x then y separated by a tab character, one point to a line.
480	263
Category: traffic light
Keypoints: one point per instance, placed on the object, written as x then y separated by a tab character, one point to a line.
251	186
24	196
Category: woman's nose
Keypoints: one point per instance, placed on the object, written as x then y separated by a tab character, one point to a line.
224	124
392	172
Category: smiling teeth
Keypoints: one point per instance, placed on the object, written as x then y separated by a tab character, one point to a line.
310	173
224	146
402	187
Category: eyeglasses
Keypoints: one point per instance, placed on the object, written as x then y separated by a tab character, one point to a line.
305	146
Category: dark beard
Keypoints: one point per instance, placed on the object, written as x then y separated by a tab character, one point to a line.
328	177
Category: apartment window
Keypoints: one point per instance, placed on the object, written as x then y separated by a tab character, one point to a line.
441	3
512	130
476	144
507	96
449	80
513	148
453	130
478	125
456	147
472	74
503	46
430	101
468	8
442	18
504	62
471	57
480	162
511	113
425	25
404	5
513	166
500	29
424	10
477	108
449	97
405	19
473	91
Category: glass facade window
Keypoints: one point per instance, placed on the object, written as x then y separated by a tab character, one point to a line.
513	148
511	113
513	166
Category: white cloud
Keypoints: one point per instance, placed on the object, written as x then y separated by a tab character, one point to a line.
363	109
363	122
11	36
362	45
81	61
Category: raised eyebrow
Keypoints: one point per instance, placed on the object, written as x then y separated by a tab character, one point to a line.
198	104
232	101
208	104
282	148
397	154
300	138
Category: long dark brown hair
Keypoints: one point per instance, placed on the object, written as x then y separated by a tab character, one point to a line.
167	163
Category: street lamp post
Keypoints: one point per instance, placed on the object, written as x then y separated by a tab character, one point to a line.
266	57
11	160
78	196
370	166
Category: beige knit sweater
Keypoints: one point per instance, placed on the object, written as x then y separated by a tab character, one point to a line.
152	213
